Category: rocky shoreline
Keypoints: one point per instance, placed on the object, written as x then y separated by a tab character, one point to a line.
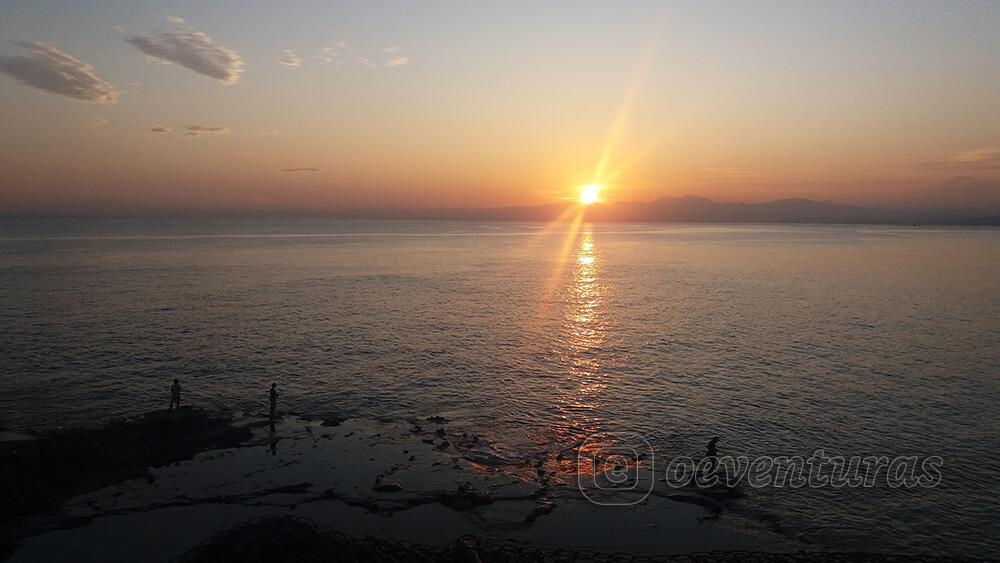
156	486
38	475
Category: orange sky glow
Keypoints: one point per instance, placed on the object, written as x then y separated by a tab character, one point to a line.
471	106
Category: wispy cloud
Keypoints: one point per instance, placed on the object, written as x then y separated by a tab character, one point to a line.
342	55
193	130
303	169
289	58
984	154
190	49
397	58
202	131
978	159
94	121
54	71
330	56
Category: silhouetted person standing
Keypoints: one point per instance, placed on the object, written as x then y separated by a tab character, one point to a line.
175	394
712	453
273	394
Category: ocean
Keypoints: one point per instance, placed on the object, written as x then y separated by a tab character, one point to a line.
780	339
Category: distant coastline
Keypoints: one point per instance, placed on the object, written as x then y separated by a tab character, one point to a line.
687	209
960	201
690	209
825	213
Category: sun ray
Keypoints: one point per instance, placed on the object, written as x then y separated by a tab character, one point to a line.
636	81
562	258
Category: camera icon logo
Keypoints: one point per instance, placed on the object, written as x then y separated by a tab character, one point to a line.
615	468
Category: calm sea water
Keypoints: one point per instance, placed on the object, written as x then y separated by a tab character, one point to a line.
780	339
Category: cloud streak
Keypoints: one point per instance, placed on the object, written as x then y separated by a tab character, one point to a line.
193	131
983	159
303	169
290	59
341	55
94	121
202	131
985	154
56	72
193	50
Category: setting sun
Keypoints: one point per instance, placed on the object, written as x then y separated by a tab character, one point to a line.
589	194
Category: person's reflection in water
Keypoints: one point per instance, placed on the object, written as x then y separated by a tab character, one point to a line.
273	398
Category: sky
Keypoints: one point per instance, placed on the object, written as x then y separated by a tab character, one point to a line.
137	106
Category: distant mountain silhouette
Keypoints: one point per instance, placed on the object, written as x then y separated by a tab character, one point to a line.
701	210
960	201
961	193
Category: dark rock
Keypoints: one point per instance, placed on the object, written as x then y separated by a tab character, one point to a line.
381	486
38	476
387	487
333	420
465	498
541	509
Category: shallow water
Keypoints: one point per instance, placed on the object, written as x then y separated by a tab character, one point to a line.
780	339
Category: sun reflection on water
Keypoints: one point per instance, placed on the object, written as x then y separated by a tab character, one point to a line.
582	334
583	322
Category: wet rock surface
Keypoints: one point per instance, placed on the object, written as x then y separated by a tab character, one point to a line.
39	475
465	497
290	539
399	479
